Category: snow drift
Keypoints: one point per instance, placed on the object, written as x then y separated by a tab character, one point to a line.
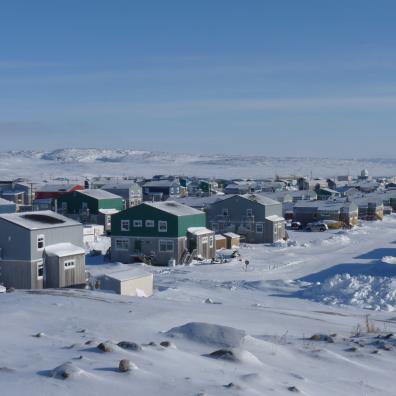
209	334
363	291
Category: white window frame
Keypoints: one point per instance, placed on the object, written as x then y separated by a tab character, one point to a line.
257	228
211	241
161	224
69	264
121	241
204	239
40	265
149	223
125	225
168	242
137	223
41	238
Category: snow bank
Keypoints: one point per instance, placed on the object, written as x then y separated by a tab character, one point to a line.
2	289
389	260
363	291
209	334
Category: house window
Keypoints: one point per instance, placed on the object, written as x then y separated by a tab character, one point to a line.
211	240
40	242
137	223
166	246
69	264
259	228
225	211
124	225
249	212
64	206
122	244
162	226
205	239
40	270
84	205
248	226
149	223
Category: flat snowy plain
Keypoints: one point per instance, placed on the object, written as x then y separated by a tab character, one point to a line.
78	163
270	311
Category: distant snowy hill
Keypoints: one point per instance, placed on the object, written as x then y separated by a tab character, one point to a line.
73	162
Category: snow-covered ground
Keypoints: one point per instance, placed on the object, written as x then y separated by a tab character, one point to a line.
79	163
270	311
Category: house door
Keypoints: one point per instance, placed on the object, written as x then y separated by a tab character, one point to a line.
205	249
138	246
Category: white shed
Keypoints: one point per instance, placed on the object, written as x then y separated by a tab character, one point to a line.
129	282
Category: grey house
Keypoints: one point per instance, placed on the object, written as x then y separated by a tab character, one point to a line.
308	212
40	249
254	216
17	192
131	192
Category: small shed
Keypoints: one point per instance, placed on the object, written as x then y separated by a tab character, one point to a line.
201	239
221	242
129	282
232	239
64	265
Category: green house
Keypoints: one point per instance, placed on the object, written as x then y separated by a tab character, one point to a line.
90	206
160	231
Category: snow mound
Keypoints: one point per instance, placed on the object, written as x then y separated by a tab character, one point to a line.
66	370
339	238
389	260
2	289
209	334
363	291
235	356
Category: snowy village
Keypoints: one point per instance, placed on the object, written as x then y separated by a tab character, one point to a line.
200	261
197	198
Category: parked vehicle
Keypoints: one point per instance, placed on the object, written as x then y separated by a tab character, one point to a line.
296	225
318	226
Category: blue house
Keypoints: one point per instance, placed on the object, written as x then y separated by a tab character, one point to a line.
161	190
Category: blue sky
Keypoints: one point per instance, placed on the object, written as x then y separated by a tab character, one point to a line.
299	78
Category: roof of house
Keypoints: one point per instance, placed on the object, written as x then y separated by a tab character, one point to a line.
63	250
260	199
160	183
6	202
128	274
323	205
174	208
199	231
97	193
119	186
328	190
56	187
275	218
231	235
201	202
38	220
238	186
